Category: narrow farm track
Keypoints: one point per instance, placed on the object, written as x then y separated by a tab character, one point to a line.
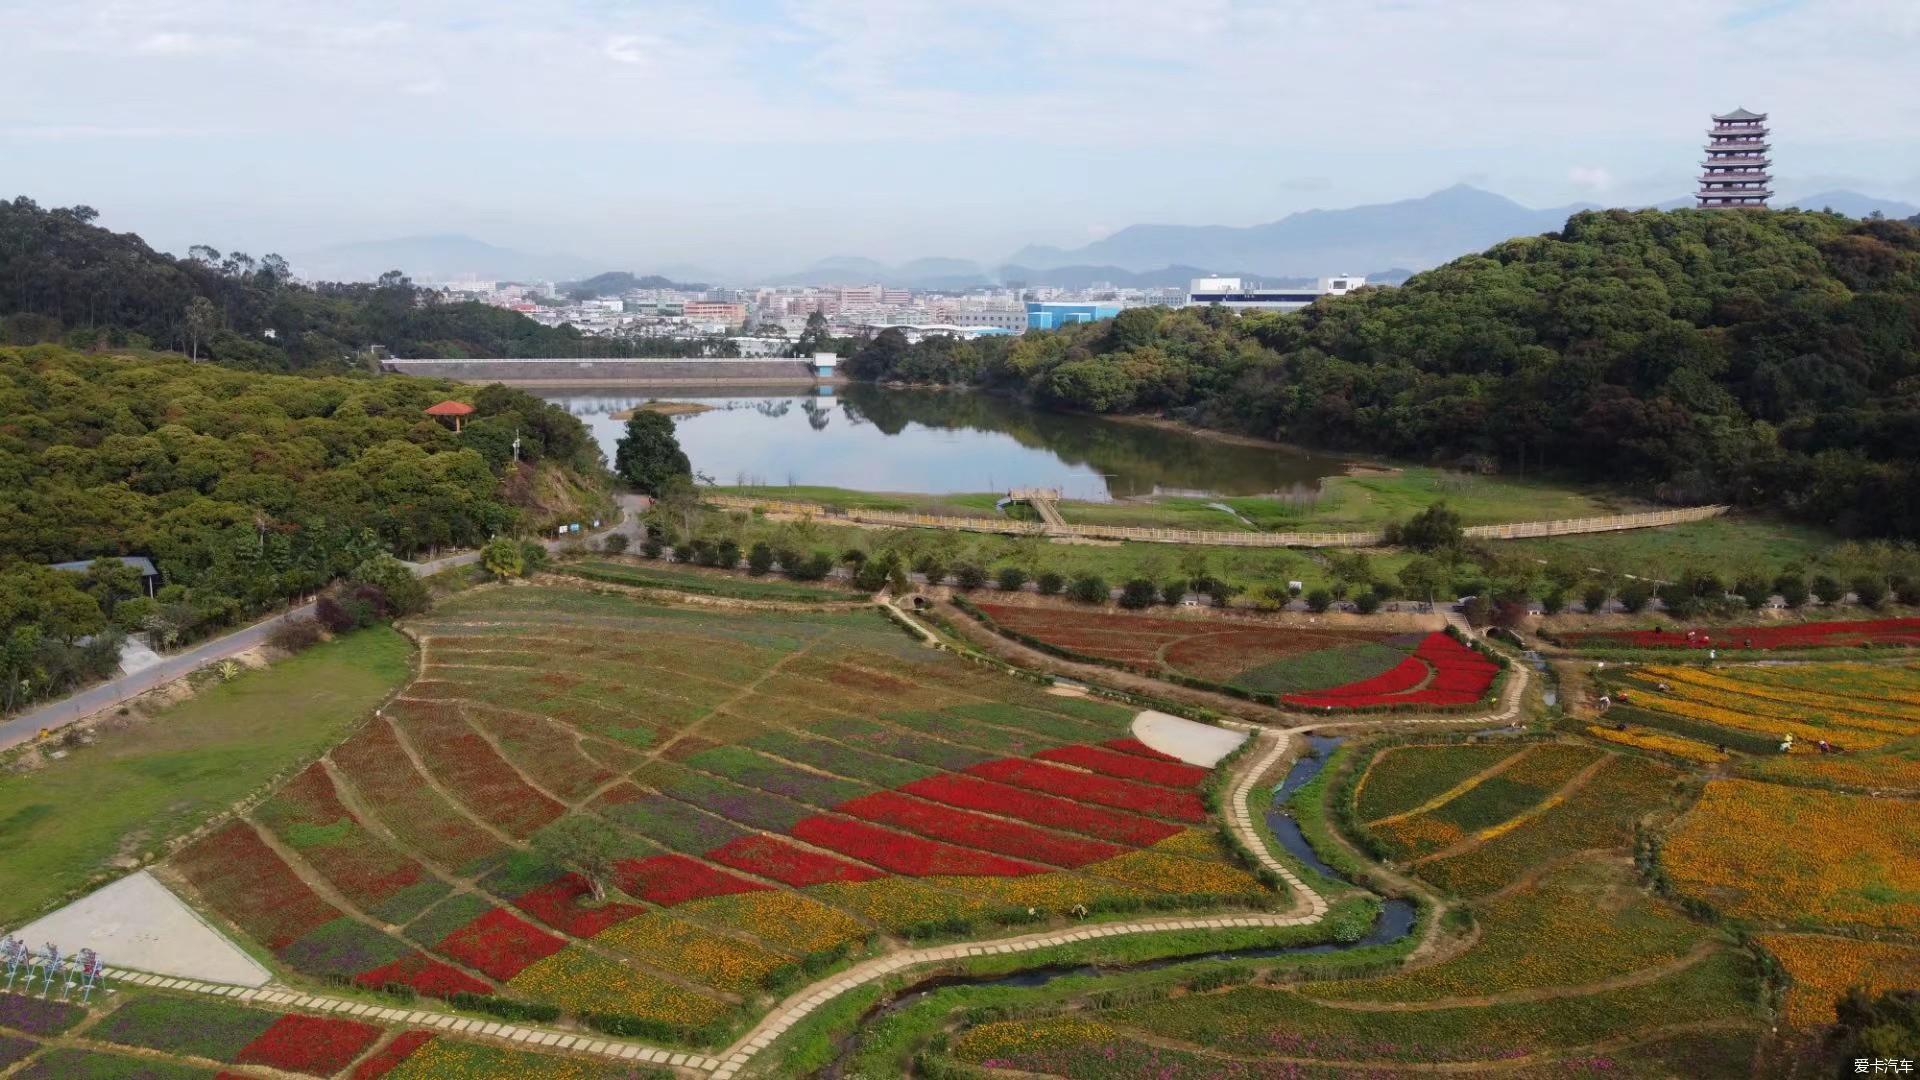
1270	748
1469	843
1453	792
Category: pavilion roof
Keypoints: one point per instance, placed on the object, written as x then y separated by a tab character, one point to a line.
451	408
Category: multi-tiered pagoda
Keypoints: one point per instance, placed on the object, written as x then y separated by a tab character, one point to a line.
1735	175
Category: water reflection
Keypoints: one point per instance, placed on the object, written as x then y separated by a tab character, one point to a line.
878	439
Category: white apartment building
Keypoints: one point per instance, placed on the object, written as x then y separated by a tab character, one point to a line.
1237	293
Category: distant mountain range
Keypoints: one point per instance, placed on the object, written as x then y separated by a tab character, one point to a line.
445	257
617	282
1854	204
1413	234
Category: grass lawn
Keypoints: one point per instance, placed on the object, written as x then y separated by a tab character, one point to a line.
716	584
125	795
1729	546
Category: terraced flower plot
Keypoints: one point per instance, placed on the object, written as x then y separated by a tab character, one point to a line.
1474	819
1306	667
1855	707
784	787
146	1036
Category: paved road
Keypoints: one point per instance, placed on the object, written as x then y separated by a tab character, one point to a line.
113	692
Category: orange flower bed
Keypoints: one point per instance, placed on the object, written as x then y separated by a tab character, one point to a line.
1800	856
1823	968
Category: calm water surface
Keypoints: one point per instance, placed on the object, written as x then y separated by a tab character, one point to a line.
872	438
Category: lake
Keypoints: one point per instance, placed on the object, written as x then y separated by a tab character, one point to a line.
872	438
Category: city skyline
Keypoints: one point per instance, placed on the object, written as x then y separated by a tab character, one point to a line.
770	135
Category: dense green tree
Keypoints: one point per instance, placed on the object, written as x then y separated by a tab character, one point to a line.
503	558
648	455
583	845
1437	528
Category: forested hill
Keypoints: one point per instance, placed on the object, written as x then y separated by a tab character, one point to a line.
62	278
243	488
1770	358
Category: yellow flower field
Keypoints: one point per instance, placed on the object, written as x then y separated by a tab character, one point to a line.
1894	767
1052	893
1173	873
1800	856
695	952
988	1042
1777	696
784	920
898	903
1871	711
588	982
1823	968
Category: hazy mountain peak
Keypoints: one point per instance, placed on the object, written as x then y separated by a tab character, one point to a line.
1418	233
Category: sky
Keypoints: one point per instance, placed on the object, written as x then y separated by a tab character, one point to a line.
766	134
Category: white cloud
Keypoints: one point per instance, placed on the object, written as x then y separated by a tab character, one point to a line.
633	48
1590	177
427	87
180	43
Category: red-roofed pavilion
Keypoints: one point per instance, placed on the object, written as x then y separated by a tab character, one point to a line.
455	409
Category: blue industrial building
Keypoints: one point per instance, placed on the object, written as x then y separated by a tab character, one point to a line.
1050	315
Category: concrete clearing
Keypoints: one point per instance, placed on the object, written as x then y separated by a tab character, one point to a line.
1193	743
138	923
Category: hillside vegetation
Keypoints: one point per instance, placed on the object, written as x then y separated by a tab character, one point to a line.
244	488
1766	358
64	278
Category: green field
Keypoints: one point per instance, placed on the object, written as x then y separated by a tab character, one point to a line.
715	584
66	823
1730	546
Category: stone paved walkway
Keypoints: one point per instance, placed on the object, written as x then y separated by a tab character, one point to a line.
1268	749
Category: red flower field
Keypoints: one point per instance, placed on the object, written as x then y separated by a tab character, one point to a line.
425	975
500	944
972	793
979	831
241	876
1812	635
901	853
787	863
1441	672
1127	766
315	1045
392	1054
675	879
1087	787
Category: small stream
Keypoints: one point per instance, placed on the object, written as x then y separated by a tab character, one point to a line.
1395	921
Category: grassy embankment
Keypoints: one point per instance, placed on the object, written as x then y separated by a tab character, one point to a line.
65	823
1741	542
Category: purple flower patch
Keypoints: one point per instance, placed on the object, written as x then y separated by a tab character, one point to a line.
36	1016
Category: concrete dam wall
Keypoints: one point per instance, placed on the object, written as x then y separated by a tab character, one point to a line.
637	372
